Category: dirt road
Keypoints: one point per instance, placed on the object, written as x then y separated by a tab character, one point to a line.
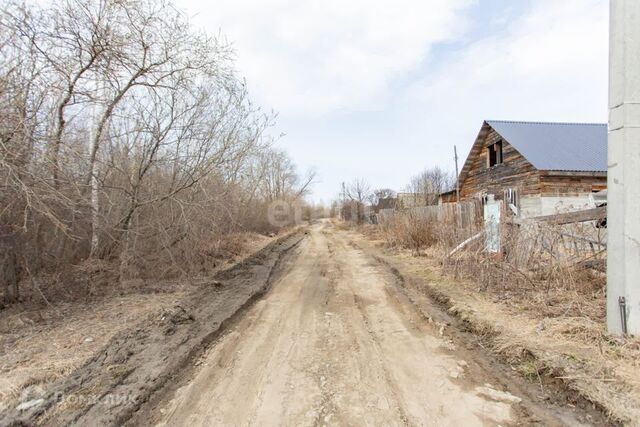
334	343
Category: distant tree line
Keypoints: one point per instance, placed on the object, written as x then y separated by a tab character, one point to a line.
425	188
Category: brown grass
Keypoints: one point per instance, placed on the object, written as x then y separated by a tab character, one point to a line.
40	343
537	270
542	309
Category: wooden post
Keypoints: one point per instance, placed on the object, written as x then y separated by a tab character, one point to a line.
492	213
455	155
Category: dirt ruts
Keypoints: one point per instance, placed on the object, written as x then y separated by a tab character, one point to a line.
337	341
343	337
134	364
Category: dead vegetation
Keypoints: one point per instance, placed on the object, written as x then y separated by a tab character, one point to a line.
40	344
105	360
133	166
540	302
539	268
126	139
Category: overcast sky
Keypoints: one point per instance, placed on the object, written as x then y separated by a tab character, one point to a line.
384	89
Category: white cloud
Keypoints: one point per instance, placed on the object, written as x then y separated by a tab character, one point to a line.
325	55
360	95
551	64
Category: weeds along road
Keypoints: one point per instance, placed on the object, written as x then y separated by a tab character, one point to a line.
333	343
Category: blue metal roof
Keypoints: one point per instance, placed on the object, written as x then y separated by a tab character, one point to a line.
557	146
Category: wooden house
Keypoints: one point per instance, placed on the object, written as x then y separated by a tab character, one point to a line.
536	168
410	200
447	197
385	203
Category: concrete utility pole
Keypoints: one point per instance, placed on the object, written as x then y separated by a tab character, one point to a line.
623	178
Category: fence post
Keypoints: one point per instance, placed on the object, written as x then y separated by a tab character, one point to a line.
492	211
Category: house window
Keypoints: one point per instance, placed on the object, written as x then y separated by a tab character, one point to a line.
511	196
495	153
511	199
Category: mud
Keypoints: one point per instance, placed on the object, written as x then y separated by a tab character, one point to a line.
318	329
338	341
547	401
138	362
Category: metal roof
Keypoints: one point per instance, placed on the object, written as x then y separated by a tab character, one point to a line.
557	146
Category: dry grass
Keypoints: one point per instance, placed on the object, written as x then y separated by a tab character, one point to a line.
40	343
542	309
39	346
538	269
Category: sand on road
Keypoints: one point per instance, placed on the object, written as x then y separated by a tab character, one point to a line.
334	343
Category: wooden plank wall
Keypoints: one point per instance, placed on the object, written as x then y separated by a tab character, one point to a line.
571	183
464	215
515	172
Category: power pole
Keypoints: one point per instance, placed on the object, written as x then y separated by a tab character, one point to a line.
455	156
623	176
344	199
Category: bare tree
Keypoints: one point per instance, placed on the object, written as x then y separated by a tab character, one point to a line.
357	194
359	190
381	193
125	135
430	183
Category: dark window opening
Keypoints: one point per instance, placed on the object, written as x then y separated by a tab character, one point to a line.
495	153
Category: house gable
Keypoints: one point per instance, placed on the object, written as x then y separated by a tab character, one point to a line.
483	173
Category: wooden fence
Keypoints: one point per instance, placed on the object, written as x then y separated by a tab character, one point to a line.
464	215
571	237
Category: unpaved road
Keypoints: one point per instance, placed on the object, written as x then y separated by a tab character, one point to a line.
334	343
